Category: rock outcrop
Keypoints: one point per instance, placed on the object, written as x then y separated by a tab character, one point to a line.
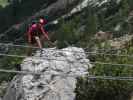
121	42
57	80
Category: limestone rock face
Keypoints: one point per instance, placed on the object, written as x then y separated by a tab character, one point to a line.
55	82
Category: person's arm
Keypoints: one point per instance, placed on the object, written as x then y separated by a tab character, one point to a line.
44	33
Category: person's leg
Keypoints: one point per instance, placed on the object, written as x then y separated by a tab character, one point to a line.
38	42
32	44
29	50
42	39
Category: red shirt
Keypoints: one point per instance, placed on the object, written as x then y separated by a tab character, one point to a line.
37	29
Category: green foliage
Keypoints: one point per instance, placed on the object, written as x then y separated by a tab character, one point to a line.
3	3
124	10
130	2
108	89
91	22
65	33
103	90
68	32
79	28
10	63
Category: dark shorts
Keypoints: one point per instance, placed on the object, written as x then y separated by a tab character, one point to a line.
35	34
33	39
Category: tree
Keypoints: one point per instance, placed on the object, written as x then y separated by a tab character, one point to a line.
91	22
124	10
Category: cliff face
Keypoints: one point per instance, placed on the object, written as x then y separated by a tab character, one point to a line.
54	9
55	82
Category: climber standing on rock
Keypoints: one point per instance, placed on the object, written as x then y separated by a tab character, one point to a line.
36	32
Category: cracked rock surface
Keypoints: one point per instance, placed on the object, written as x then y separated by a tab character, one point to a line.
55	82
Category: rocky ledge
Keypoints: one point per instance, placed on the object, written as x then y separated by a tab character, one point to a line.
58	69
